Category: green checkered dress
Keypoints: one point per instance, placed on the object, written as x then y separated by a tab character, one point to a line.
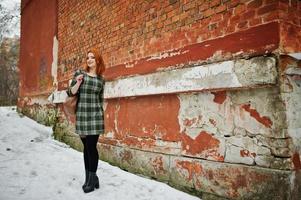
89	113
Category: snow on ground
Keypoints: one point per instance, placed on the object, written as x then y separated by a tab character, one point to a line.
34	166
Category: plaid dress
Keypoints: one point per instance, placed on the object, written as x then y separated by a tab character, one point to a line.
89	113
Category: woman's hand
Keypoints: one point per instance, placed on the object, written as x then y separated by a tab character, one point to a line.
80	78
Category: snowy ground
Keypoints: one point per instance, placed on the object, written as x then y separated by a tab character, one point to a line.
33	166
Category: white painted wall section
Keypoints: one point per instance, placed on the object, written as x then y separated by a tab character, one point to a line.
222	75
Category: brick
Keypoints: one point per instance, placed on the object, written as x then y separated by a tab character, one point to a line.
208	13
283	7
271	17
233	3
212	27
175	18
234	19
248	15
270	1
171	14
243	24
216	18
254	4
220	8
267	9
214	3
223	23
188	6
239	9
230	29
204	6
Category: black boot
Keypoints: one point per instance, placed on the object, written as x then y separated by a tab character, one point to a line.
92	183
86	179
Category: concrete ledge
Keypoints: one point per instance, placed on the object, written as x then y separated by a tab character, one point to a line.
225	75
58	97
241	73
202	177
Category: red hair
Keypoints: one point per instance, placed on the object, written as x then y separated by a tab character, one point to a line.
100	66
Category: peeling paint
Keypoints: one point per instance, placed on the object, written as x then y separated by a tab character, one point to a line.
157	163
167	54
190	168
219	97
224	75
142	121
204	144
296	161
253	113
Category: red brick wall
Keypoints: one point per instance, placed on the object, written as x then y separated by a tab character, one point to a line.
130	32
290	27
163	135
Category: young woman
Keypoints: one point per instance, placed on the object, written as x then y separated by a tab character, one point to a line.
88	85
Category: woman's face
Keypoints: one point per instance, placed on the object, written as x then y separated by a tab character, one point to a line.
91	62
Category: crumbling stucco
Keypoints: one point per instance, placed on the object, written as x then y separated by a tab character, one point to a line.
229	74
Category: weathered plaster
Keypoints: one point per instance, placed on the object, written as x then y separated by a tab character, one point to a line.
54	65
224	75
291	92
58	96
246	126
233	181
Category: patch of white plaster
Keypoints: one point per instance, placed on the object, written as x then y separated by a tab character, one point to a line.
54	62
38	100
109	134
116	117
167	55
57	97
213	76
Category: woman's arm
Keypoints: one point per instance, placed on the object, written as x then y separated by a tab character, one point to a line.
75	84
79	80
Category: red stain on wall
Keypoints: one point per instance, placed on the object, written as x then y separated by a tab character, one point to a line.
253	113
213	122
289	33
140	121
39	26
107	140
296	161
190	122
203	142
219	97
157	163
246	153
191	167
239	182
137	142
126	156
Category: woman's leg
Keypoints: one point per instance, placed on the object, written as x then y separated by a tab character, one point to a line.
93	182
86	160
85	152
91	142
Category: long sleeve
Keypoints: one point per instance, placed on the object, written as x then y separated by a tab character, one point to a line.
102	92
73	82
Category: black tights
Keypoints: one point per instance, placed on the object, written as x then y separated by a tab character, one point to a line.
90	152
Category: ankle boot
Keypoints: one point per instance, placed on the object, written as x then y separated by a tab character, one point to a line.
92	183
86	179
